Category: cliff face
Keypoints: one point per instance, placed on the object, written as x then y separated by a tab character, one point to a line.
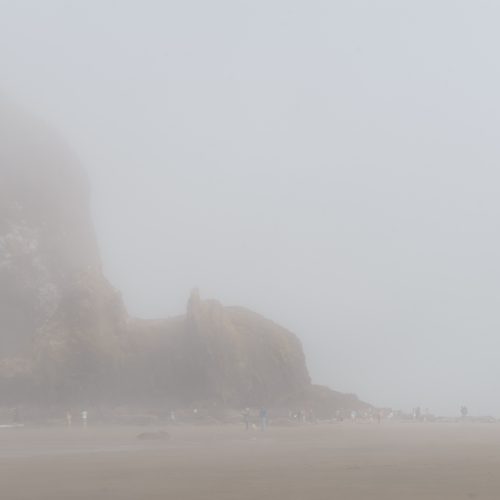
227	355
241	355
55	304
46	238
65	336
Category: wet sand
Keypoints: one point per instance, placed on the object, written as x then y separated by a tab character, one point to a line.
332	462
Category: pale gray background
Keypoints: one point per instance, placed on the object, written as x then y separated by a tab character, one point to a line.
332	165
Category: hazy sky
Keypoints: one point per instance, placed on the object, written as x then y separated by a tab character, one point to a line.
332	165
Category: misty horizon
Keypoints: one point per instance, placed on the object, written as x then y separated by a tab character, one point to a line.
331	168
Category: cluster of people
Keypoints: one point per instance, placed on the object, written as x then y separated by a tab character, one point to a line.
303	416
369	415
84	415
263	418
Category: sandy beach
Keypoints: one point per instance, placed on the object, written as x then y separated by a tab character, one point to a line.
327	461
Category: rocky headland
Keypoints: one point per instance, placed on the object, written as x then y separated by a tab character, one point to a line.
65	335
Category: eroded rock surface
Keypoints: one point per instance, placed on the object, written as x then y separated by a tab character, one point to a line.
65	336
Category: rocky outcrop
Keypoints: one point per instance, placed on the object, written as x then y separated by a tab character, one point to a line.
65	336
58	314
227	355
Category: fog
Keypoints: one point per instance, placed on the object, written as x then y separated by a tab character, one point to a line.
330	165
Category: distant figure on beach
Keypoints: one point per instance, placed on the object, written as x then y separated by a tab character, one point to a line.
246	418
263	419
354	414
172	416
69	418
311	417
85	416
464	412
